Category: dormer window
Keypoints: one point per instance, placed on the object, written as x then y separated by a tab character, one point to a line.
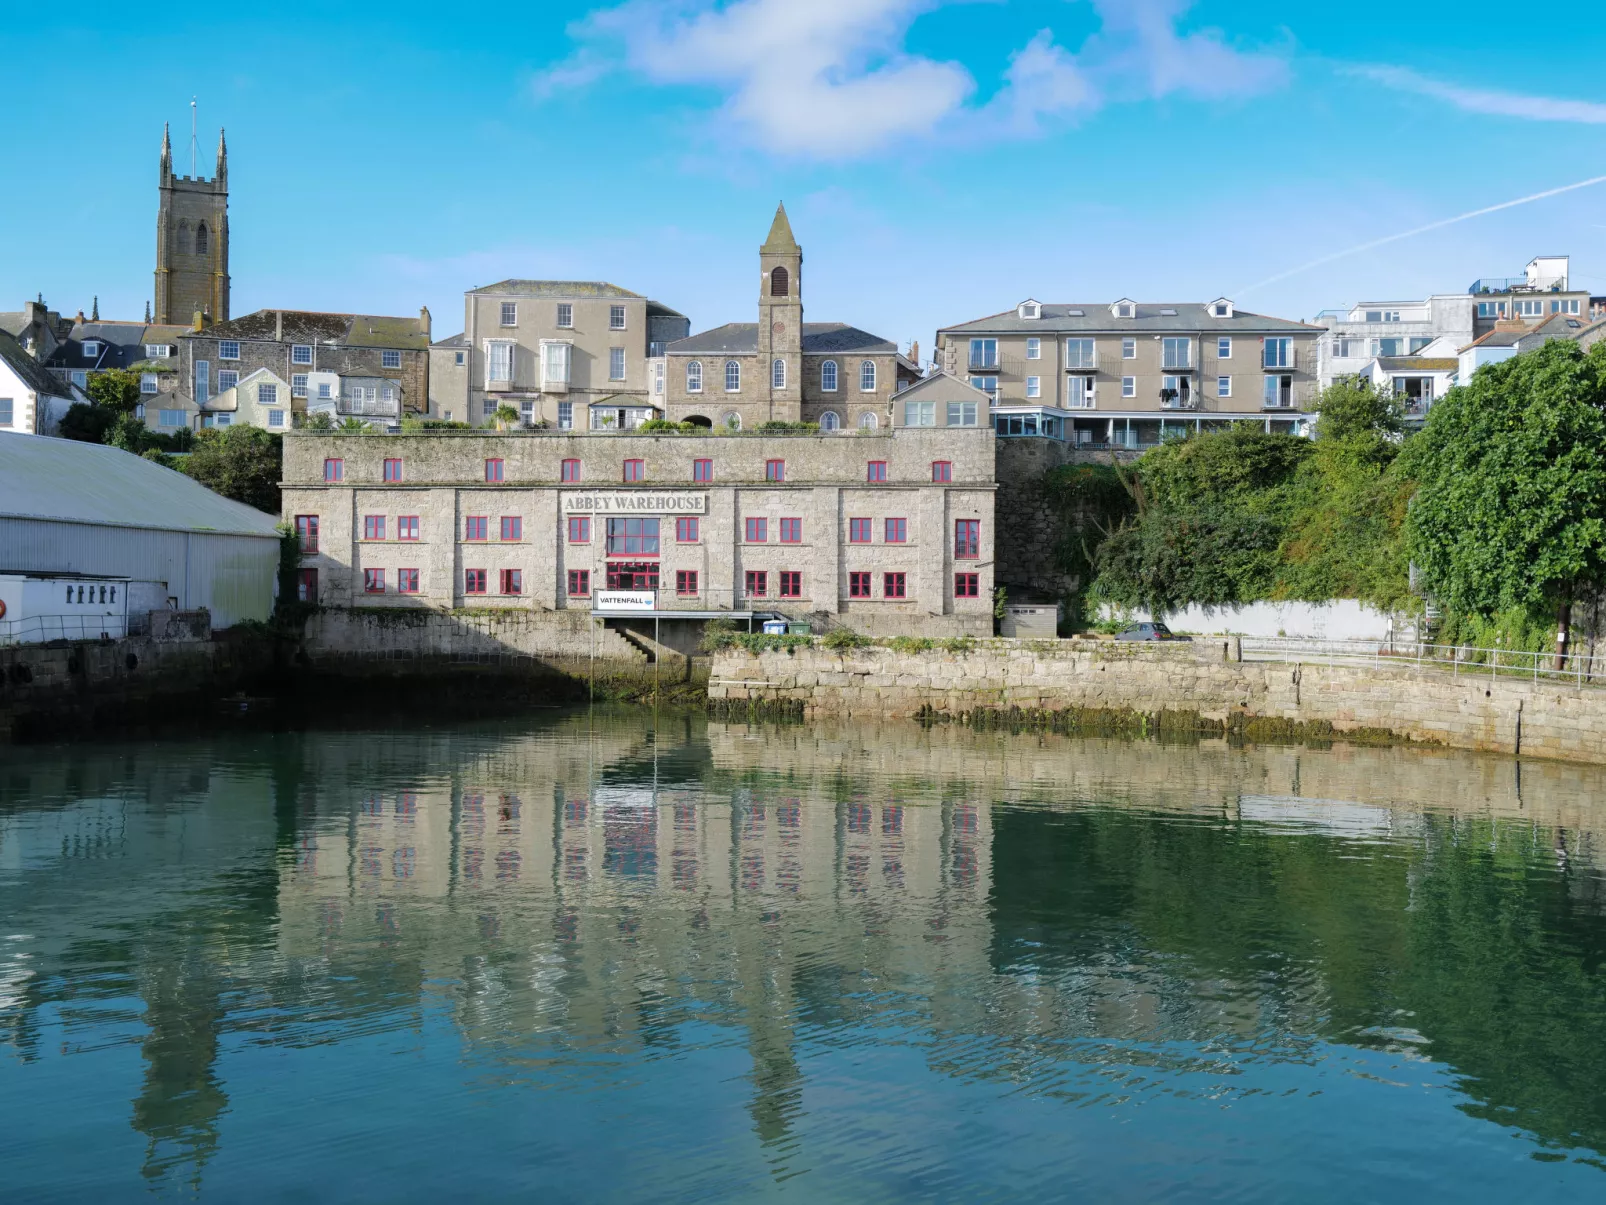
1221	307
91	349
1125	308
1029	311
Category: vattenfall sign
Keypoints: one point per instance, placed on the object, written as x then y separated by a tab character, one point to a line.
625	600
636	502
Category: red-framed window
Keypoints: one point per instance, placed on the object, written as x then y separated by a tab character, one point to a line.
632	537
635	470
393	469
475	527
373	581
307	534
758	531
775	470
791	583
859	531
512	581
334	469
757	583
373	527
512	527
858	585
967	538
407	527
702	470
875	471
942	470
570	471
894	585
686	531
967	585
897	531
473	581
632	575
495	470
579	583
307	586
791	531
579	529
406	581
686	582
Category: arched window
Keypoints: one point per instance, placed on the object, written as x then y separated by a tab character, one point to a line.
828	377
867	421
184	241
830	422
200	239
867	376
780	283
694	376
731	420
778	374
733	377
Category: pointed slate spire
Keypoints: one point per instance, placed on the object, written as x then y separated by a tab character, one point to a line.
780	240
147	313
222	156
167	152
94	310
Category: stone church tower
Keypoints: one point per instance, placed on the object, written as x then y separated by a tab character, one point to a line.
780	321
192	242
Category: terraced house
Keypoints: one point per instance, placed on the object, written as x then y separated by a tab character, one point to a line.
1129	373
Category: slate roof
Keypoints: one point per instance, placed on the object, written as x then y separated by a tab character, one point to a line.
300	326
1094	317
943	387
561	290
819	339
1557	326
124	342
458	340
33	373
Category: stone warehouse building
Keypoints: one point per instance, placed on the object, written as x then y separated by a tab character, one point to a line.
1128	373
886	533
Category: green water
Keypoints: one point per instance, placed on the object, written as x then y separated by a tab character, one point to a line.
627	957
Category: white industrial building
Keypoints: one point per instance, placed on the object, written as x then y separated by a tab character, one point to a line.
93	520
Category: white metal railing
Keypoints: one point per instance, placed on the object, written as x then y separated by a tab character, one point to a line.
1578	669
36	629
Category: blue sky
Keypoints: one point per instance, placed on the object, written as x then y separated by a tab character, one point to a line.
940	160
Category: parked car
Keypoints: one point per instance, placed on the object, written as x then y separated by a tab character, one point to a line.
1148	631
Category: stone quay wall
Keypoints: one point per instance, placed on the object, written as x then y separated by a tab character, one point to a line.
1465	711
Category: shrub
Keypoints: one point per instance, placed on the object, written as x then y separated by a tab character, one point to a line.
662	426
911	644
839	639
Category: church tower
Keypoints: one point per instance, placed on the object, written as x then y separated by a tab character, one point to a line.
192	241
780	321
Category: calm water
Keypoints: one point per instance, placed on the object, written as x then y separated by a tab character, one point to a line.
616	957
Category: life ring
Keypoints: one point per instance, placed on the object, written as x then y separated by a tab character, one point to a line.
2	608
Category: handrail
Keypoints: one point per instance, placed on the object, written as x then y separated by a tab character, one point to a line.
1580	669
36	629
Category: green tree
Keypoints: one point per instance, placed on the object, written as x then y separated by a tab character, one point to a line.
506	416
86	423
116	390
243	463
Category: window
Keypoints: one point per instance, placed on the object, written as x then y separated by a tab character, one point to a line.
393	470
81	379
307	586
555	356
967	538
373	581
512	581
473	581
1223	386
510	313
579	583
158	351
275	419
757	583
166	418
307	534
298	385
897	531
512	528
858	585
791	531
875	471
324	391
942	470
633	537
1279	392
616	317
301	353
334	470
458	358
1564	306
780	282
791	584
565	316
579	529
201	239
406	581
407	527
1034	348
733	376
868	421
963	414
267	395
494	469
867	376
1176	353
685	582
1125	310
830	421
635	470
988	385
628	575
858	531
1279	353
565	416
389	358
1129	349
147	382
775	470
983	354
570	471
227	379
777	374
1080	353
686	531
731	421
226	350
828	377
1224	348
1176	391
757	530
498	362
616	363
893	585
475	527
920	414
373	527
202	379
702	470
1530	309
694	376
967	585
218	420
1034	386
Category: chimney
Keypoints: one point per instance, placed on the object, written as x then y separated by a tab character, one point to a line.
914	351
424	320
278	326
80	318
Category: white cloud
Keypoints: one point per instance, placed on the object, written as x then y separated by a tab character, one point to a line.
831	79
1495	104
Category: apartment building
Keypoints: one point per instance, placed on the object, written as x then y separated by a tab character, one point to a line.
149	349
1129	373
568	354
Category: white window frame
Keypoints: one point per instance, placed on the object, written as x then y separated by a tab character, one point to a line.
1186	344
275	418
920	414
301	353
777	373
1224	347
565	416
1034	387
508	314
389	358
1034	348
867	376
1223	386
92	348
988	384
298	384
8	412
1081	392
267	394
325	391
170	418
616	363
1129	349
565	316
616	317
158	351
1081	353
962	414
1129	387
149	383
832	385
733	376
557	362
830	421
80	378
233	375
499	358
694	376
228	349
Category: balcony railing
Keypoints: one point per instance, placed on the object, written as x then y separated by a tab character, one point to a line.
984	361
1279	357
1177	361
1499	284
371	407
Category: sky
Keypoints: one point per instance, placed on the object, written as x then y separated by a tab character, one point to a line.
940	161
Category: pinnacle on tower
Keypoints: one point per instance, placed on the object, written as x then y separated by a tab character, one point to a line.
780	240
147	313
167	151
222	156
94	309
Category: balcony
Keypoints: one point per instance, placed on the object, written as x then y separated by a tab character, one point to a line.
1178	361
1279	357
983	361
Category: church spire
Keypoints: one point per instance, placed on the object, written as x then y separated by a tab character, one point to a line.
222	157
167	152
94	310
780	241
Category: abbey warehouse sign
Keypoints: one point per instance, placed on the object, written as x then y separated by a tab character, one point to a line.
635	502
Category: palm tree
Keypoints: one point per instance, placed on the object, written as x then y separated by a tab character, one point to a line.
506	416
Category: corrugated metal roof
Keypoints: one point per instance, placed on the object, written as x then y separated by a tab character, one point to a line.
63	479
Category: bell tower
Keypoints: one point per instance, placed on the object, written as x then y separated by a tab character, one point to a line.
780	321
192	241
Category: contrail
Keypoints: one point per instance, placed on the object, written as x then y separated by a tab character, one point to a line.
1394	238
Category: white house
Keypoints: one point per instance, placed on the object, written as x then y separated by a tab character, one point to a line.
262	399
32	400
